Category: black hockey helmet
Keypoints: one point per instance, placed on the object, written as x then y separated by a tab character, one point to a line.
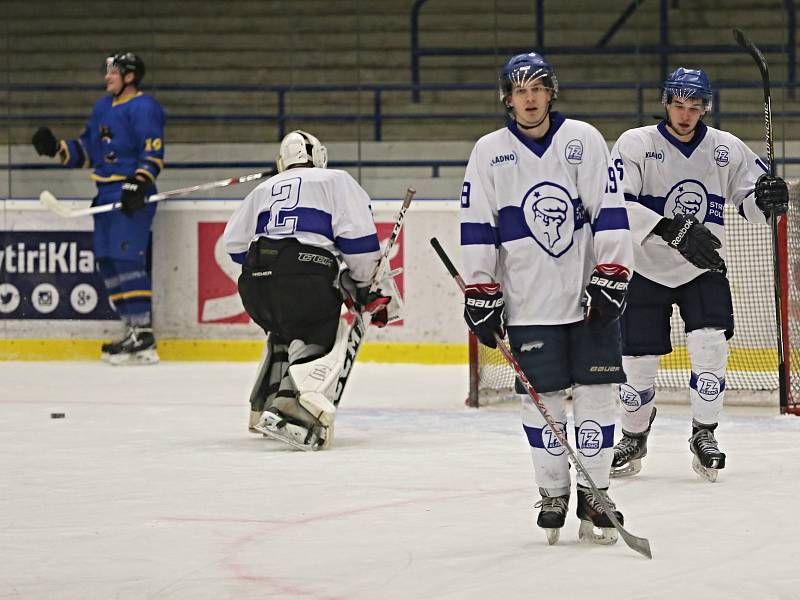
127	62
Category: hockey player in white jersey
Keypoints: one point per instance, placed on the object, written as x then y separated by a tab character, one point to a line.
543	227
293	234
677	177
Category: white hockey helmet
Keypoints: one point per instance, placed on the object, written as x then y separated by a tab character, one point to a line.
299	148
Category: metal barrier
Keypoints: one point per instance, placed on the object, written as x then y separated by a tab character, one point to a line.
663	49
378	116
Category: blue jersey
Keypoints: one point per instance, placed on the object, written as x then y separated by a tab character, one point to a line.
121	139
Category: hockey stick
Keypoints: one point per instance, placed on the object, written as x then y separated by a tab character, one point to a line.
640	545
358	329
748	45
51	202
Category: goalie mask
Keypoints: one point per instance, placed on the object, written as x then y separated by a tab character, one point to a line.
300	148
687	83
523	69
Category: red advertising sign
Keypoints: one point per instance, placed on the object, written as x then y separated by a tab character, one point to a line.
217	296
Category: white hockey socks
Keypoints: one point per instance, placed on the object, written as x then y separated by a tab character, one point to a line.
593	408
550	463
637	396
708	351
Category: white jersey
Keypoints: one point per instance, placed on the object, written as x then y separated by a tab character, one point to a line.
538	217
325	208
663	177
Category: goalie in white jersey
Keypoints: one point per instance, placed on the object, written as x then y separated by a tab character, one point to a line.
677	177
542	227
291	234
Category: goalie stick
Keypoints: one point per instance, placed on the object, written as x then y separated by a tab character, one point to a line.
748	45
51	202
358	328
638	544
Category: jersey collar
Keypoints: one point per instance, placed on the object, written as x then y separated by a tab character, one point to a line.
685	148
538	148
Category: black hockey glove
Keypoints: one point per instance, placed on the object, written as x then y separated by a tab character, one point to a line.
45	142
375	303
484	311
133	191
772	195
693	240
605	294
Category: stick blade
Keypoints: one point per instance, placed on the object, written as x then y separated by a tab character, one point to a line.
51	203
638	544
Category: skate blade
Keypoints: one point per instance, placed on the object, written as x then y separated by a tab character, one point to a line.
627	470
145	357
292	435
707	473
604	536
553	535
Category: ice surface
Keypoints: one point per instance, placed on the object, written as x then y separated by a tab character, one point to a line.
151	487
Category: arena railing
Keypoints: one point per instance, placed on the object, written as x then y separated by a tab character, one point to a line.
644	92
664	49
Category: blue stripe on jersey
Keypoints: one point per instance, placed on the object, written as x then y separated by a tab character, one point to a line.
611	218
762	165
513	226
309	220
714	214
238	257
362	245
479	233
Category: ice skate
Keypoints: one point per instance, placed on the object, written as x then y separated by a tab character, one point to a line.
630	451
553	511
708	459
139	348
109	348
596	527
290	432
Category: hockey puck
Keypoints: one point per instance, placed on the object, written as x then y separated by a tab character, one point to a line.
57	415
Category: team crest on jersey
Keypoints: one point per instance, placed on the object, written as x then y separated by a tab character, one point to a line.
708	386
654	155
105	134
504	159
574	152
722	155
590	438
550	216
689	197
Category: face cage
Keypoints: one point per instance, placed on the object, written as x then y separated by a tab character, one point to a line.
549	82
668	95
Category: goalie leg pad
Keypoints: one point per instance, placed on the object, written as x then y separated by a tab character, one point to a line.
316	379
271	370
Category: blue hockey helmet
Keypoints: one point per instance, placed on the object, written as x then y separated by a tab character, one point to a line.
522	69
126	62
687	83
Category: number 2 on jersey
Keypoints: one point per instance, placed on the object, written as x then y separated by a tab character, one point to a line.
285	197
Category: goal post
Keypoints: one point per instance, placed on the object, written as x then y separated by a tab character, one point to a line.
752	363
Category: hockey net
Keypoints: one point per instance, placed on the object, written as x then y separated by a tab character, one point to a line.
753	360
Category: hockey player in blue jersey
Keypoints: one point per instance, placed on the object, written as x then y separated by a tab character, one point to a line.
123	145
677	176
543	225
